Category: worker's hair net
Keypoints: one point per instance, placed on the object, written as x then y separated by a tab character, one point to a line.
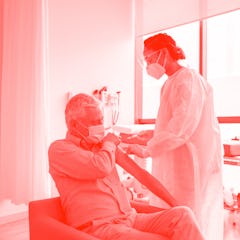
162	40
78	107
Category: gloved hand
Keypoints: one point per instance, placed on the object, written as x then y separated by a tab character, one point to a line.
137	150
140	138
110	137
147	134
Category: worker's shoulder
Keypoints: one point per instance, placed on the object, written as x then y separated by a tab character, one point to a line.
189	72
187	75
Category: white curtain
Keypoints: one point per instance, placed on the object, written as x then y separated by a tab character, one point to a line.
23	156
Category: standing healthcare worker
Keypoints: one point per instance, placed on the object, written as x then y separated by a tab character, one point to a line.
185	147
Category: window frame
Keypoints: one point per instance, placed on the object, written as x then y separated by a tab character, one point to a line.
138	119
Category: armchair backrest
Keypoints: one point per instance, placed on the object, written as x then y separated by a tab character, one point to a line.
46	221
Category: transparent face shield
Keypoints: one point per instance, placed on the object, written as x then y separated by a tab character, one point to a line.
150	57
149	62
144	59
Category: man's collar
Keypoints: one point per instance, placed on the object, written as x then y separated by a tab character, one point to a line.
72	138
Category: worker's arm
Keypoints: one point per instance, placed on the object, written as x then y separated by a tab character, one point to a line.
144	177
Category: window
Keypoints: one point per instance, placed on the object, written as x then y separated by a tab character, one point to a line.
221	68
223	62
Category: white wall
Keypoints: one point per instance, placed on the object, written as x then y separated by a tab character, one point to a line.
90	44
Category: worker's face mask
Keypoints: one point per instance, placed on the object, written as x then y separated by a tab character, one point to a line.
155	69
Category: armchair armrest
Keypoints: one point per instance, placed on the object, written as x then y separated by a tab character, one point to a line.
46	221
50	228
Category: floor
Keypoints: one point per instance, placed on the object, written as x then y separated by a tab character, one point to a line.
19	230
15	230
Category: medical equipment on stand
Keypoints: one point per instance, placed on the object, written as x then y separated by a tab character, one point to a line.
111	103
231	192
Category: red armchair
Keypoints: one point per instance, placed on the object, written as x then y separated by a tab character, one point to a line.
46	220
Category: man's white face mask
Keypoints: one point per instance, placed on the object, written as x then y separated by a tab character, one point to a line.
92	135
97	131
156	70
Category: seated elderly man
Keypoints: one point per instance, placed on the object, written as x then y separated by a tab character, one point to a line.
83	166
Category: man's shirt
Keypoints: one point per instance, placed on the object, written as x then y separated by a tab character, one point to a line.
88	182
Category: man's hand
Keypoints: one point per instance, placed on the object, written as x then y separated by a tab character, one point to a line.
110	137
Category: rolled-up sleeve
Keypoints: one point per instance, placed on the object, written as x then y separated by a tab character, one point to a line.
67	159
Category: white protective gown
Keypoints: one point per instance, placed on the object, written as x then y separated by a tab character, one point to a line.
186	149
